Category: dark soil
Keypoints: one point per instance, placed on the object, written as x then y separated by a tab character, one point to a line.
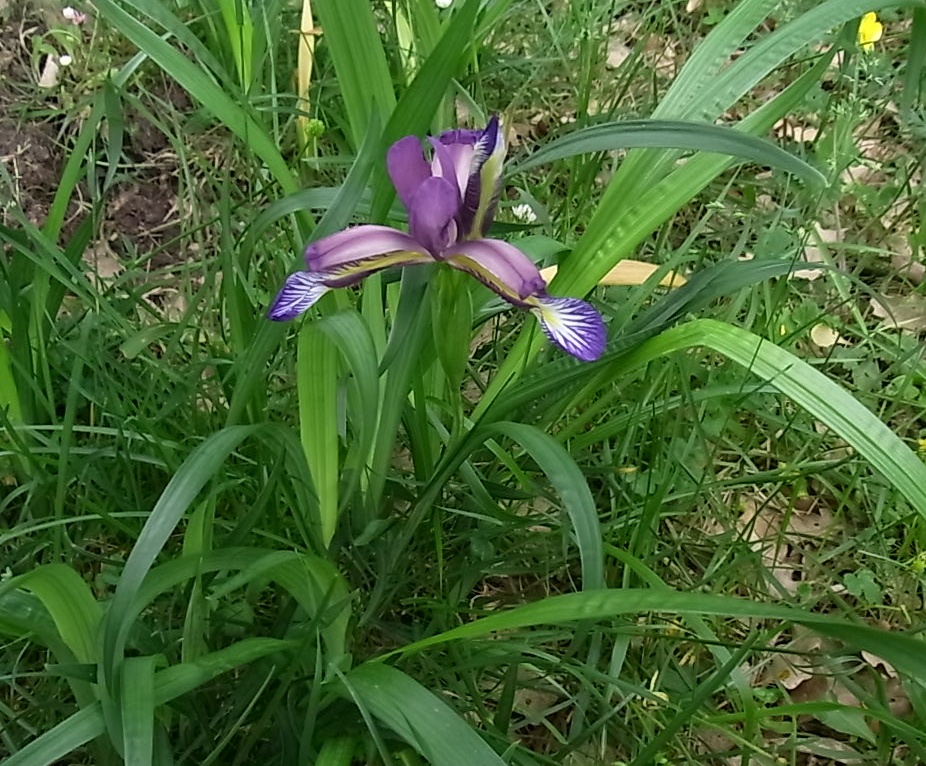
140	218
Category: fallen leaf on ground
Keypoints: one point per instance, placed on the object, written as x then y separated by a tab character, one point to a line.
814	251
825	336
628	272
896	312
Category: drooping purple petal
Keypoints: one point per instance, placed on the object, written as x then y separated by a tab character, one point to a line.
300	291
573	325
432	215
339	255
482	187
500	266
407	167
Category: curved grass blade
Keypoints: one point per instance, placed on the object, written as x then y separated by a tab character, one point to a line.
671	134
317	367
567	479
356	48
829	403
904	652
177	497
170	683
69	602
621	222
419	716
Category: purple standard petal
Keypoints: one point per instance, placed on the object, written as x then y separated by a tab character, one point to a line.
407	167
501	267
482	187
432	215
453	162
300	291
571	324
350	255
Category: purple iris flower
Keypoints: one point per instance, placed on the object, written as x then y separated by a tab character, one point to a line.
451	201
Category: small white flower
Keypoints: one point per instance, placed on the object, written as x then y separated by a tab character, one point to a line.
65	60
443	3
524	213
73	15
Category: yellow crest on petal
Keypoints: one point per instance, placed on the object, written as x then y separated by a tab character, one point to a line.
869	31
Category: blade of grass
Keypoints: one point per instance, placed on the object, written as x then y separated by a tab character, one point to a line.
317	367
169	684
356	48
137	709
419	717
671	134
904	652
177	497
567	479
808	388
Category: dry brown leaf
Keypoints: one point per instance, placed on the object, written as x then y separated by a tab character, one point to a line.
793	130
813	252
798	666
879	664
534	703
662	54
49	76
103	264
617	54
902	258
628	272
779	537
825	336
906	312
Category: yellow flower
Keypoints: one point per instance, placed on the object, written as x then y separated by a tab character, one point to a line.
869	31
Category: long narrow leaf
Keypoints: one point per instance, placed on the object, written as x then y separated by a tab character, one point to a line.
417	715
904	652
671	134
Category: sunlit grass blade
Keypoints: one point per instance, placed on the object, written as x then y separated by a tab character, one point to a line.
671	134
914	88
239	28
722	279
317	365
337	751
419	717
567	479
351	337
904	652
9	396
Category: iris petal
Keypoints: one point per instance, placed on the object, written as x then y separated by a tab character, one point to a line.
500	267
357	244
573	325
432	214
453	162
300	292
481	189
407	167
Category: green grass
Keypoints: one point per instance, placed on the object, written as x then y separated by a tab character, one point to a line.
404	529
